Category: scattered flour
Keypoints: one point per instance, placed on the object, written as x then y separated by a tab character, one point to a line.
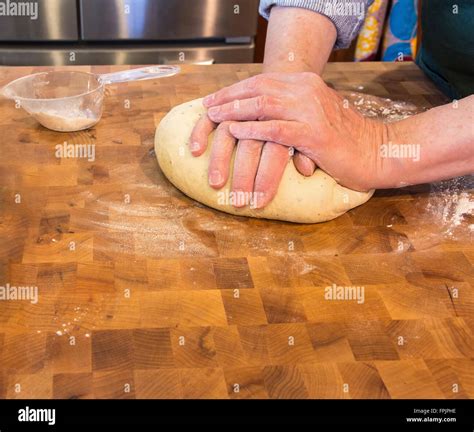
383	109
451	202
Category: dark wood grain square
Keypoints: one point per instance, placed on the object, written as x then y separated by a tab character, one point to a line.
112	349
232	273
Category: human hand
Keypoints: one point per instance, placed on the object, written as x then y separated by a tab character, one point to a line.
299	110
258	165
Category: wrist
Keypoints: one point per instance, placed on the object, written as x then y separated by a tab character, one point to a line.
375	136
388	169
286	66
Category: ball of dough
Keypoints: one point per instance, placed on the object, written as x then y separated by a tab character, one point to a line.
299	199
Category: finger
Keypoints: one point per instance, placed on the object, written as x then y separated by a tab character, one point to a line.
270	171
304	164
221	154
247	158
272	84
287	133
258	108
200	135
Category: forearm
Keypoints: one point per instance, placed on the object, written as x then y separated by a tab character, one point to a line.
298	40
439	144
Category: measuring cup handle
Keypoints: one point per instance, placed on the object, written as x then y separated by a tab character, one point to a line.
140	74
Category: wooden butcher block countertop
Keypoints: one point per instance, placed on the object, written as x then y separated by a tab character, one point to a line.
144	293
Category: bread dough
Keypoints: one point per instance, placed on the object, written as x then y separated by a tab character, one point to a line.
299	199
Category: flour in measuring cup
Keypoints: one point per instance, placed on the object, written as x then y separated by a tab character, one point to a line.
66	122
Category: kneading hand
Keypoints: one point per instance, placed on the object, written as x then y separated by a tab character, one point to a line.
299	110
258	165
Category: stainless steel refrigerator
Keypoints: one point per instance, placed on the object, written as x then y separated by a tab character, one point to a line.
65	32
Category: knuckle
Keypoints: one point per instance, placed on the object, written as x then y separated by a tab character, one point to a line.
275	129
264	81
224	126
244	152
218	160
253	130
253	82
249	148
313	78
265	105
279	103
261	103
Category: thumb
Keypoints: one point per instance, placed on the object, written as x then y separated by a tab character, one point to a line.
304	164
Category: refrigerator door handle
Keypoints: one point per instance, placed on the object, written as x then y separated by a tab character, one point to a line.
210	61
204	62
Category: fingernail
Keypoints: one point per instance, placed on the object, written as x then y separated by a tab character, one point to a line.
258	200
194	146
215	178
233	128
208	99
213	111
238	198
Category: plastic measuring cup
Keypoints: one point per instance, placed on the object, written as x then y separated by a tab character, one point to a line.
68	101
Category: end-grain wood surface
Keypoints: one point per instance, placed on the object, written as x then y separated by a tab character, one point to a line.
144	293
